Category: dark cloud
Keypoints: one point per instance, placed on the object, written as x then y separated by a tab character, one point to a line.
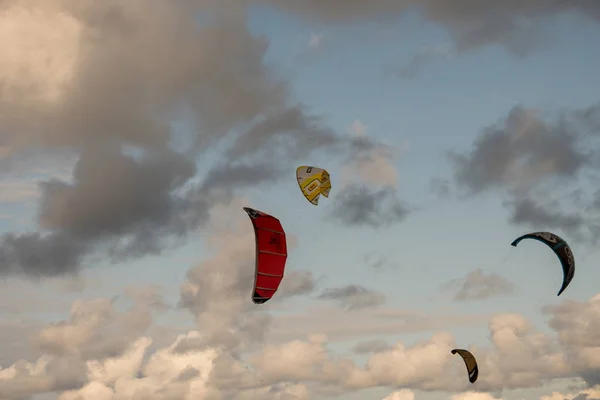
115	194
114	200
359	205
478	285
354	297
520	150
527	212
535	162
40	255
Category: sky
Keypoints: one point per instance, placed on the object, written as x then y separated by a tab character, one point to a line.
133	132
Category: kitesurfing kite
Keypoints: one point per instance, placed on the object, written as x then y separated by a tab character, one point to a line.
313	182
560	248
470	363
271	255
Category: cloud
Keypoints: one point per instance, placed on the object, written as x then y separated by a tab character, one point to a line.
474	396
135	189
297	283
80	90
519	357
527	158
368	194
476	285
361	206
517	26
519	152
525	211
371	346
334	322
575	324
378	262
375	166
424	57
586	394
403	394
96	329
353	297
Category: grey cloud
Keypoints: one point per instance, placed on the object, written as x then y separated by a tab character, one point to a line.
476	285
588	119
62	374
423	58
283	132
527	212
114	194
354	297
358	205
148	296
297	283
527	157
188	373
13	334
578	327
96	329
222	307
371	346
212	76
113	197
230	176
40	255
585	396
514	24
521	150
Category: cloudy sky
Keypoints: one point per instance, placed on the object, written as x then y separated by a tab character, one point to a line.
132	133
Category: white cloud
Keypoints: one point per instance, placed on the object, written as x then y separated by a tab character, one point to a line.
218	358
403	394
474	396
376	167
37	63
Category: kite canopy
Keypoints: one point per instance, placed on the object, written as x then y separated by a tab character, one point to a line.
313	182
560	248
470	363
271	254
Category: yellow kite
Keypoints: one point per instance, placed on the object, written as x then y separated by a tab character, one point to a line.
313	182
